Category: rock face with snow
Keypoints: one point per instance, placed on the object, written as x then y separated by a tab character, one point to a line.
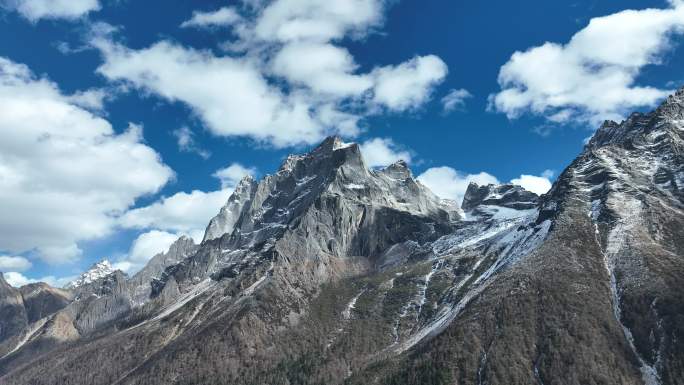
599	300
140	285
97	271
328	272
230	213
506	195
322	206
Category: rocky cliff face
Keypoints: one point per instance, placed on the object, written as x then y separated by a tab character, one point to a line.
87	305
41	300
598	300
14	320
322	206
140	285
24	312
506	195
97	271
630	178
328	272
225	221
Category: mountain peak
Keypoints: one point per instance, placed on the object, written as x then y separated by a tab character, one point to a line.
667	117
97	271
505	195
262	211
182	238
183	241
398	170
672	107
333	141
331	144
400	164
244	192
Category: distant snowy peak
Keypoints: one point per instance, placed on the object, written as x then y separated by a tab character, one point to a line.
505	195
96	272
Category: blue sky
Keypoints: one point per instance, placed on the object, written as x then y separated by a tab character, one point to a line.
128	123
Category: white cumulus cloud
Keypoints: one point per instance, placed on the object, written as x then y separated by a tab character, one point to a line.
35	10
231	175
410	84
593	76
230	95
327	69
144	247
296	20
186	142
12	263
287	80
225	16
65	173
455	100
449	183
378	152
17	279
182	212
537	184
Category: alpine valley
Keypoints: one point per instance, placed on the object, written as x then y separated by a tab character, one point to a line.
328	272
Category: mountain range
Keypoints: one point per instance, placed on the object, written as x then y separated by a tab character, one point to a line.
328	272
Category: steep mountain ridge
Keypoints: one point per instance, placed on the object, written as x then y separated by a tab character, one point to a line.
330	272
14	319
97	271
230	213
25	311
634	175
322	204
322	219
506	195
599	301
139	285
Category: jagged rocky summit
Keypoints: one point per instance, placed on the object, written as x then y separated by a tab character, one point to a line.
97	271
329	272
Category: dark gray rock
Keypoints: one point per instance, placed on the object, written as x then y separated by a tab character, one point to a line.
13	318
225	221
140	285
42	300
505	195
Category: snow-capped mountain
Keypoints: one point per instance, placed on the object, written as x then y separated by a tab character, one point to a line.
97	271
330	272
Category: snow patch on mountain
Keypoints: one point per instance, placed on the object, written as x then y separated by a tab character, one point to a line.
347	313
97	271
616	243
